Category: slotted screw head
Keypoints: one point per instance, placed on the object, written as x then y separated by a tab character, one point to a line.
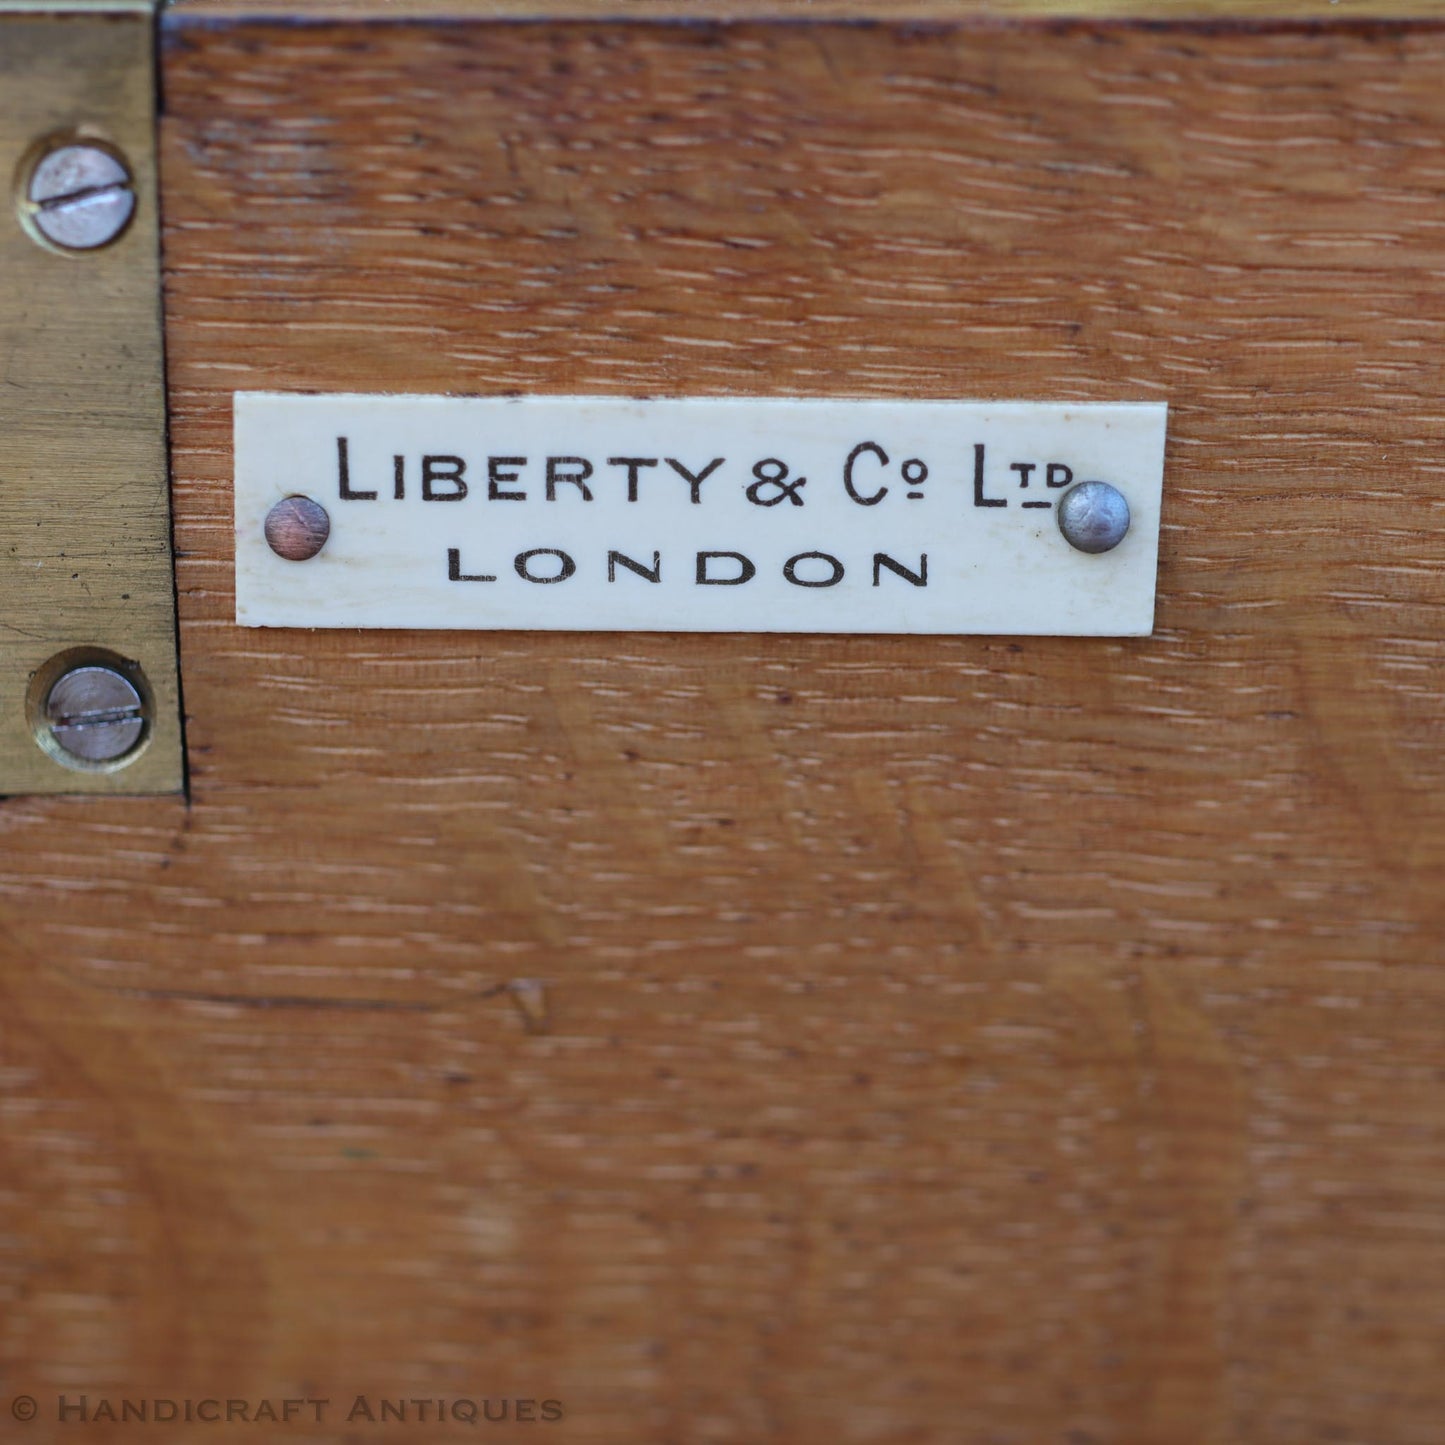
95	714
81	197
1094	517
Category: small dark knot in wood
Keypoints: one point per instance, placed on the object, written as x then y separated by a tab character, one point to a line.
297	528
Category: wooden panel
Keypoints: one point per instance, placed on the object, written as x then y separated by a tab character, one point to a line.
1246	12
768	1038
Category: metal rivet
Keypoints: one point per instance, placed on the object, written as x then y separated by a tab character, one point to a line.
297	528
81	197
95	714
1094	517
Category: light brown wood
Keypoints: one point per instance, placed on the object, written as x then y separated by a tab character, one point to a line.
766	1038
1245	12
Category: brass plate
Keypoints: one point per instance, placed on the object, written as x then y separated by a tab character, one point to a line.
85	542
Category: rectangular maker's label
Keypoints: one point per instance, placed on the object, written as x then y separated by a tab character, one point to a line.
694	515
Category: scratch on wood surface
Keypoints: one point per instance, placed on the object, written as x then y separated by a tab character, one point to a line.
533	1004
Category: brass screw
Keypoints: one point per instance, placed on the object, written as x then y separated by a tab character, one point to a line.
94	714
80	197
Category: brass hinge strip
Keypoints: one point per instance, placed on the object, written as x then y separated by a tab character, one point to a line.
89	690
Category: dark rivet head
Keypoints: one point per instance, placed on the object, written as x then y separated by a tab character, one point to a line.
297	528
1094	517
80	197
95	714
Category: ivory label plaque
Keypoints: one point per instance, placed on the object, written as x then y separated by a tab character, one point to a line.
697	515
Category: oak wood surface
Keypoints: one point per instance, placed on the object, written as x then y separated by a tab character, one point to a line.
1243	12
790	1039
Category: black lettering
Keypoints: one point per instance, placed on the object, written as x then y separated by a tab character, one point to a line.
497	472
918	578
848	473
454	568
577	478
772	472
442	469
1023	469
1067	474
616	559
633	465
979	500
343	474
695	481
398	473
791	573
566	566
746	570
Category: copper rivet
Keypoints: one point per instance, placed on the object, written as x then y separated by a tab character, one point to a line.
297	528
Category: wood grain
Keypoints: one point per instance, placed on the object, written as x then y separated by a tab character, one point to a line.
1244	12
773	1038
